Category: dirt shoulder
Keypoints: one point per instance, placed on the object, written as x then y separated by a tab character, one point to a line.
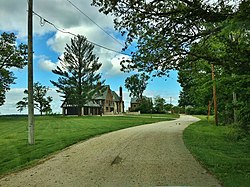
148	155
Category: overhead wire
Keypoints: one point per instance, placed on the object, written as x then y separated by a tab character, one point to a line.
43	21
81	11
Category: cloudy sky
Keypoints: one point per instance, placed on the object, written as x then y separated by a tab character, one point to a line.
49	44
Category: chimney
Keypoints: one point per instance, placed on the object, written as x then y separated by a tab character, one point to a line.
120	93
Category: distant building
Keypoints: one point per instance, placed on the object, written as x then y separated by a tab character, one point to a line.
134	103
106	103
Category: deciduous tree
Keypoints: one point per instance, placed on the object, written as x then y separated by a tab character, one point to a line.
136	84
159	105
165	30
11	55
41	102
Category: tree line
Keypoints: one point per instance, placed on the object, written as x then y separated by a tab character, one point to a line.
191	36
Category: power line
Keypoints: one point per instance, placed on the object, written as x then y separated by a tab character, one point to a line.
95	23
43	21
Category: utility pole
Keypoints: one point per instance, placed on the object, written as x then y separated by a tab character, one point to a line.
208	110
31	124
214	97
234	103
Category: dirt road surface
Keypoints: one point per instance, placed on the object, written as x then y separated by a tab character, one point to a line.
147	155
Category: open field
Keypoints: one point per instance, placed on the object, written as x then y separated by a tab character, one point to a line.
54	133
220	152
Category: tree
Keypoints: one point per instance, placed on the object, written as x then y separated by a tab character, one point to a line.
159	105
11	55
137	84
165	30
146	105
78	80
229	51
41	102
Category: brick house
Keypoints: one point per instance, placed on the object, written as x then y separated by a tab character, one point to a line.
107	102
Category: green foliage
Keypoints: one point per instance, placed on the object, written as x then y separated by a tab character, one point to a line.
78	80
146	106
11	55
197	110
41	102
168	107
54	133
159	105
228	51
234	133
223	150
179	25
136	84
190	36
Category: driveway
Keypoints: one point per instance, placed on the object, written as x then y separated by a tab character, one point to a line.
147	155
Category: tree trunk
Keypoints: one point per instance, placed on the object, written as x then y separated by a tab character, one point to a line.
214	97
79	111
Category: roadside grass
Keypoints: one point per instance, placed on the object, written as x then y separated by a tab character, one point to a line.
226	157
54	133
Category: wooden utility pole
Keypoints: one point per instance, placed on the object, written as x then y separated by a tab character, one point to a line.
214	97
234	103
31	124
208	110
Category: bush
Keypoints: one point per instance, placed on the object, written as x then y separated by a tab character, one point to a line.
197	111
244	118
235	133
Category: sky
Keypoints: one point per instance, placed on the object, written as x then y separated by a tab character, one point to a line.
49	44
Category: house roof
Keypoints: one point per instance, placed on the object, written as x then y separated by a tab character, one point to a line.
92	104
103	95
115	96
100	96
134	100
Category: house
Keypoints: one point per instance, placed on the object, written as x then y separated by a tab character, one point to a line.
137	102
108	102
134	104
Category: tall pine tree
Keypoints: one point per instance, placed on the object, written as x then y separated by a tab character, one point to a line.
79	80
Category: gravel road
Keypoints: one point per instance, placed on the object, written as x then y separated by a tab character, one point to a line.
148	155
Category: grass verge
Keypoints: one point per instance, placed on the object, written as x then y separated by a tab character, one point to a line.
53	133
224	156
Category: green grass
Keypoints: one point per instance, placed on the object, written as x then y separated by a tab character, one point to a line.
156	115
53	133
224	156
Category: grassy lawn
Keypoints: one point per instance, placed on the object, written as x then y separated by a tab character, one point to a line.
218	150
53	133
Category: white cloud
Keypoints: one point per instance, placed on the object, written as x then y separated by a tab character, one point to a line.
47	65
71	20
12	97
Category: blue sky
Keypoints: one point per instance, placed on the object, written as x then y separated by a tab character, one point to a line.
49	45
